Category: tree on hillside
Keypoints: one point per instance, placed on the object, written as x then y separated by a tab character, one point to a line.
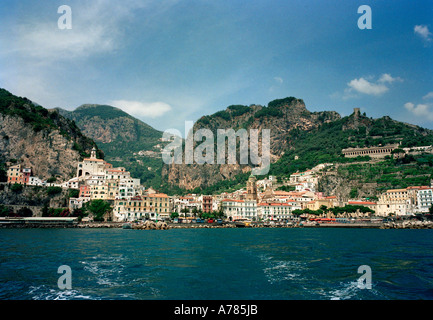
98	208
5	211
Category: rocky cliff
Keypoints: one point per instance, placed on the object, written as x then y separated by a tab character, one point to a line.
281	116
42	140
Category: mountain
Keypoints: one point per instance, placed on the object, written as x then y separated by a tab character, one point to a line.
281	116
126	141
300	140
326	142
41	139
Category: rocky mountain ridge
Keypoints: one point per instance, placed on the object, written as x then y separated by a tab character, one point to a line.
40	139
281	117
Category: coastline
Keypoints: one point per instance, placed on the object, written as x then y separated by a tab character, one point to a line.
150	225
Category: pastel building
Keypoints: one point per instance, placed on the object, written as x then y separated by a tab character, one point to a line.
150	206
14	174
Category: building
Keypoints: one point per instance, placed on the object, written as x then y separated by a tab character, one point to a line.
374	152
394	202
329	202
275	211
84	191
36	181
239	209
18	174
14	174
91	166
251	188
77	203
154	206
424	200
369	204
265	183
160	203
302	176
207	204
25	177
98	192
73	183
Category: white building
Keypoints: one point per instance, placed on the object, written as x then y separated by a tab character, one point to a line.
239	209
394	202
275	211
73	183
306	186
36	181
91	166
77	203
424	200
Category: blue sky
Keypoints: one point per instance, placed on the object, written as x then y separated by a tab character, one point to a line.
170	61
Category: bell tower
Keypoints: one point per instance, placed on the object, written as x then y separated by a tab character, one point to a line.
93	153
251	188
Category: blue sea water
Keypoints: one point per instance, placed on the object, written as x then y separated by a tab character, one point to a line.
216	264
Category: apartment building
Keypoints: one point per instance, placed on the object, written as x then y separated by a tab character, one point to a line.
150	206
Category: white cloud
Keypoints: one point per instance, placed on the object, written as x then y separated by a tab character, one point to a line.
420	110
428	95
362	85
423	32
97	27
369	87
387	78
142	109
44	42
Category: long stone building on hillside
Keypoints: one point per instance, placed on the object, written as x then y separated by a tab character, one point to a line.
374	152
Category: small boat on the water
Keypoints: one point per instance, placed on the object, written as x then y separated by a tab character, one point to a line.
243	223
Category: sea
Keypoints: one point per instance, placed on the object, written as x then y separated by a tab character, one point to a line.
216	264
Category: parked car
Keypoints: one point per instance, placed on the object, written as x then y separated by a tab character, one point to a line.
210	220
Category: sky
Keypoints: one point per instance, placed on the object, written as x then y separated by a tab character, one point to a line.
167	62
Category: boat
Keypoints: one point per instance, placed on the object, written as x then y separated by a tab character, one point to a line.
243	223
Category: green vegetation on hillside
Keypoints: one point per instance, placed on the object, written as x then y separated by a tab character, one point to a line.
325	144
42	119
129	135
101	111
392	173
37	116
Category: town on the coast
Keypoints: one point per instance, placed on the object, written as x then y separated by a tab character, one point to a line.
260	202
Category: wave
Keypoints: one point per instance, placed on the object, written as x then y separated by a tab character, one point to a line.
351	290
44	292
108	269
282	270
120	273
